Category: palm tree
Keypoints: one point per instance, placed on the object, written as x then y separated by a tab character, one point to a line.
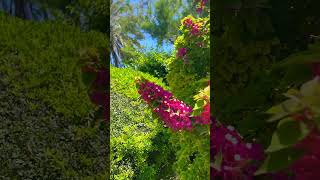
124	29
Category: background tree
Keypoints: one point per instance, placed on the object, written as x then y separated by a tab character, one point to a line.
124	29
90	15
161	18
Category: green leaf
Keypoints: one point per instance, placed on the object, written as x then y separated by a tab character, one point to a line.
288	133
310	87
294	92
279	160
278	116
275	109
311	101
284	109
196	112
218	161
200	103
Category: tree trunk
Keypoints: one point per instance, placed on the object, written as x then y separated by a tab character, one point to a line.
11	8
19	8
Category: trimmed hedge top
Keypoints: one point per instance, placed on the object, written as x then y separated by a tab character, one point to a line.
122	81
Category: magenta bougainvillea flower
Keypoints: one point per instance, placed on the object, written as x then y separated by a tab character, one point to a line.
306	167
237	155
201	6
99	98
195	30
173	112
101	78
188	22
182	52
98	89
199	10
316	69
204	118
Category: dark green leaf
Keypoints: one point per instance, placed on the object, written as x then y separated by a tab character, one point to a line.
288	133
278	160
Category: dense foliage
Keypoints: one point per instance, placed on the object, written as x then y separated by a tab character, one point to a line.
153	62
254	64
186	125
191	63
139	145
188	72
49	127
43	60
124	30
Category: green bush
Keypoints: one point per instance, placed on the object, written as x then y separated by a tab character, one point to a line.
43	60
48	129
193	154
186	74
184	84
136	135
152	62
39	143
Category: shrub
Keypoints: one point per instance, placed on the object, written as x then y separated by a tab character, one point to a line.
152	62
43	60
190	139
188	74
192	61
49	125
135	133
39	143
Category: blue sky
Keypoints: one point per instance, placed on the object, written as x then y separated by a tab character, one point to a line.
150	42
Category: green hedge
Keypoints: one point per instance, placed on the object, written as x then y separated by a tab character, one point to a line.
140	147
122	81
42	144
48	128
43	60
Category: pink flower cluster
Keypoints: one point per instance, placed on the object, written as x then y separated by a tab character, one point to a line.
204	118
98	93
176	114
182	52
307	167
150	92
201	6
195	28
188	22
316	69
237	154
